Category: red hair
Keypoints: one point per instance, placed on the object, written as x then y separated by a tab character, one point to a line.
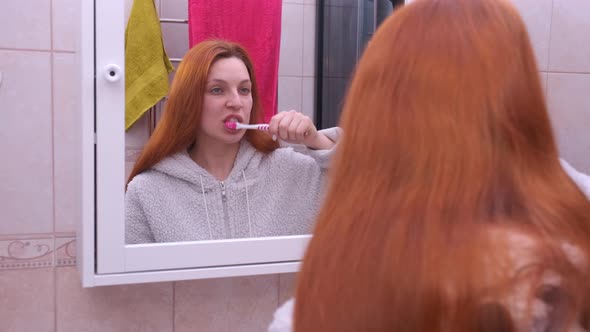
180	122
446	137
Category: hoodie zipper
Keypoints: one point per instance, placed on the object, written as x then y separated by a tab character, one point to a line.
225	216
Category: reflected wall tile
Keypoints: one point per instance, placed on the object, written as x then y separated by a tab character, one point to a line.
543	76
308	97
66	21
341	42
537	17
310	2
26	252
175	36
27	301
128	169
309	40
26	24
569	107
66	140
301	2
138	134
291	53
570	36
177	9
128	4
286	287
290	93
26	172
244	304
139	307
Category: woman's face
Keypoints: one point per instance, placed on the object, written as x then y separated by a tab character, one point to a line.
228	96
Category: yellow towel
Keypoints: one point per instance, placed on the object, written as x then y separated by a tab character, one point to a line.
146	64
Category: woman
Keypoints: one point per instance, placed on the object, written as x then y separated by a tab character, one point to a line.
196	179
455	213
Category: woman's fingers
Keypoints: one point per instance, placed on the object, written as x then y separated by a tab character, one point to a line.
291	126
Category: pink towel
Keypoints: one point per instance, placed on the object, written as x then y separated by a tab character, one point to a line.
256	25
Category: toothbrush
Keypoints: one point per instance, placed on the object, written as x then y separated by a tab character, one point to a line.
237	125
260	126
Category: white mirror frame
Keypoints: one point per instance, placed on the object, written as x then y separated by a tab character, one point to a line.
103	257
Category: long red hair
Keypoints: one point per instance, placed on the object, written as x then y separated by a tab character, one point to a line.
180	122
446	138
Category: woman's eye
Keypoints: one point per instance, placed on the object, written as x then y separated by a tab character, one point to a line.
245	91
216	91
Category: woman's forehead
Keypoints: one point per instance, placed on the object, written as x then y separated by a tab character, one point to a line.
229	69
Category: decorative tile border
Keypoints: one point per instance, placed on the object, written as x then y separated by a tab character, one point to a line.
65	252
37	251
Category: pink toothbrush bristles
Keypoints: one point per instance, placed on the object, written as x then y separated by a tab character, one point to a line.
231	125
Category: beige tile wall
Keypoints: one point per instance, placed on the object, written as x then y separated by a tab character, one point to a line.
568	83
297	59
40	171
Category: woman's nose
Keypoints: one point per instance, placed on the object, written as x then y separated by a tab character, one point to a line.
234	100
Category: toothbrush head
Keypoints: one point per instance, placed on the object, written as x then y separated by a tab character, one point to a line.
231	125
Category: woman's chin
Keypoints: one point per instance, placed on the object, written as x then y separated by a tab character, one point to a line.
232	138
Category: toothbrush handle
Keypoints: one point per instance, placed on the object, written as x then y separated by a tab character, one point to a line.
262	127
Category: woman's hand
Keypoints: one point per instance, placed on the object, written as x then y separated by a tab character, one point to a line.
297	128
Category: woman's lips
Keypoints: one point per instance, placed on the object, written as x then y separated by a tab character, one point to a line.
231	119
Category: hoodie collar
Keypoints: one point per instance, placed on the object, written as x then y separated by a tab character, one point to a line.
181	166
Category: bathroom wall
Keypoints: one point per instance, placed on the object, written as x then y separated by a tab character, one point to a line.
40	171
40	185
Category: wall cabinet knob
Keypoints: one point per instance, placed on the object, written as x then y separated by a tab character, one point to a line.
113	73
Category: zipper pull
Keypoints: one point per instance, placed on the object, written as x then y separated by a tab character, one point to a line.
223	197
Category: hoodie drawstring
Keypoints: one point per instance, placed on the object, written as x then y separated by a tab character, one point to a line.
247	203
206	209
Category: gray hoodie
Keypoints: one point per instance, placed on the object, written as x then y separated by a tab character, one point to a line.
264	195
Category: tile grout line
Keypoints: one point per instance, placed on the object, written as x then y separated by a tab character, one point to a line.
278	291
568	73
173	306
302	57
12	49
549	42
4	237
52	91
302	52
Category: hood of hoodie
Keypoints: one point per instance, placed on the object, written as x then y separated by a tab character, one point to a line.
180	165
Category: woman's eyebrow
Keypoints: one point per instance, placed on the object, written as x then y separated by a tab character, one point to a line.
218	80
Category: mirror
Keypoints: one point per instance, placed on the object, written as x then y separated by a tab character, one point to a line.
182	197
204	225
179	198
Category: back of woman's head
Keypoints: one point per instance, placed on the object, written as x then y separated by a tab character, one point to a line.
180	122
445	133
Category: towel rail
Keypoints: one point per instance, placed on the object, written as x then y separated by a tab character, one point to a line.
152	112
173	20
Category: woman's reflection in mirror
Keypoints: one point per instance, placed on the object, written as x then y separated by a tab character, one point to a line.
197	179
